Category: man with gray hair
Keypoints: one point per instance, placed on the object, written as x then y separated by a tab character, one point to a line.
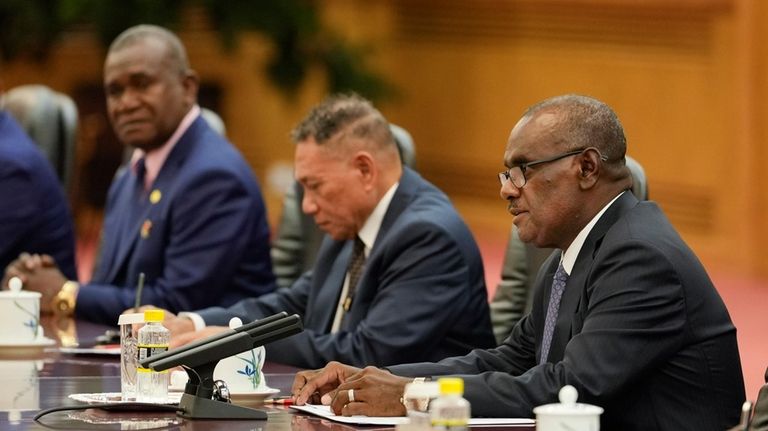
398	276
186	211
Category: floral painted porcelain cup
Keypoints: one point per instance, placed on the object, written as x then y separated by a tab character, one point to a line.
242	372
20	317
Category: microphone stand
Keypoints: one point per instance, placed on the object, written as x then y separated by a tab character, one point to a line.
200	359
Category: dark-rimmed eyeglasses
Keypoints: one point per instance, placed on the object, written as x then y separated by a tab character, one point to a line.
516	174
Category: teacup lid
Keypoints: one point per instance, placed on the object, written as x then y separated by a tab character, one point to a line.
568	405
235	323
15	285
130	318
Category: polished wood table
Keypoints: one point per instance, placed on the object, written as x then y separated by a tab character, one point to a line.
45	378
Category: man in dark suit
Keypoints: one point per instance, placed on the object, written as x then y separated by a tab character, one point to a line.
398	276
187	211
35	217
623	310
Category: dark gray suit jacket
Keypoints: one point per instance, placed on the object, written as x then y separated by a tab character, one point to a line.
421	296
641	332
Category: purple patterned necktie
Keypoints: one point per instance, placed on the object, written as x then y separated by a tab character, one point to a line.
558	285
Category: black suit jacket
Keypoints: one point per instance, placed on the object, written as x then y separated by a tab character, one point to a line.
641	332
421	296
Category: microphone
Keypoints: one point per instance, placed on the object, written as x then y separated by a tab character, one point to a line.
199	359
223	334
219	347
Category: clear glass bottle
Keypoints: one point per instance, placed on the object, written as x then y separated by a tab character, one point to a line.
450	411
153	339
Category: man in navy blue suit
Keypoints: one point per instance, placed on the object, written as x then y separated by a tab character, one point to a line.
35	216
398	276
186	211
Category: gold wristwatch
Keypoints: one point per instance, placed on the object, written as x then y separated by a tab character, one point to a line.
63	304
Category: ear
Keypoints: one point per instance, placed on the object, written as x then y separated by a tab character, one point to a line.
365	166
191	84
589	169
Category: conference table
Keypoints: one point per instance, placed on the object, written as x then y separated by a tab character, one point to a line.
32	380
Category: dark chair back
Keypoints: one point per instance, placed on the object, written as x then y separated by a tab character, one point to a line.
50	119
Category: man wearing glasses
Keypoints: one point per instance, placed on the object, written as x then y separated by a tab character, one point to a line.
623	309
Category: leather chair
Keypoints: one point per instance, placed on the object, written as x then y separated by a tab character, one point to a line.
514	294
298	238
214	120
50	119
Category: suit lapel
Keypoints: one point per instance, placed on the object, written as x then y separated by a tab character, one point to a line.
132	217
577	281
402	197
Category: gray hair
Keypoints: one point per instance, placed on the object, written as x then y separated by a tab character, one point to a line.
585	122
347	113
177	53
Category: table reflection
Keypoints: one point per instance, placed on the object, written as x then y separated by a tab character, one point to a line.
21	388
47	380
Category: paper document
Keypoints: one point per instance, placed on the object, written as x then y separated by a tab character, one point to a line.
325	411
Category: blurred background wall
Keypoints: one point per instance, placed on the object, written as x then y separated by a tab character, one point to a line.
687	78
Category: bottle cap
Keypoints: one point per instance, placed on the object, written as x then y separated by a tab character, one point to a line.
154	315
451	386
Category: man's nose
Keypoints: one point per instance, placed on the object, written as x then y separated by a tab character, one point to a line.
509	191
128	99
308	205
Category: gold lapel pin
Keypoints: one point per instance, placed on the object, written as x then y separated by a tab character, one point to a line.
155	196
146	227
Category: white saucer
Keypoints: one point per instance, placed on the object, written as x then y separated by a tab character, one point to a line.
15	349
254	395
117	398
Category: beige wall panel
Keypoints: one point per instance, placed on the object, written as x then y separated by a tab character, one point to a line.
669	75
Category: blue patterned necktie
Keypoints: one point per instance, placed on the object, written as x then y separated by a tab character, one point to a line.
558	286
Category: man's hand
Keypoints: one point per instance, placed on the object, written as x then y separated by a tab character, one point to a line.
38	273
182	338
310	385
376	392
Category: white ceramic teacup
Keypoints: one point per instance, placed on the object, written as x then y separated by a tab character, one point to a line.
20	317
568	415
242	372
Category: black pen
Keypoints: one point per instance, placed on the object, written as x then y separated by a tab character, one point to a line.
139	288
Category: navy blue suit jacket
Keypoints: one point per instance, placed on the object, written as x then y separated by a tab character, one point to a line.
200	234
641	332
35	216
421	296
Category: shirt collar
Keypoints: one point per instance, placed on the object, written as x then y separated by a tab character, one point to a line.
372	225
572	252
154	159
